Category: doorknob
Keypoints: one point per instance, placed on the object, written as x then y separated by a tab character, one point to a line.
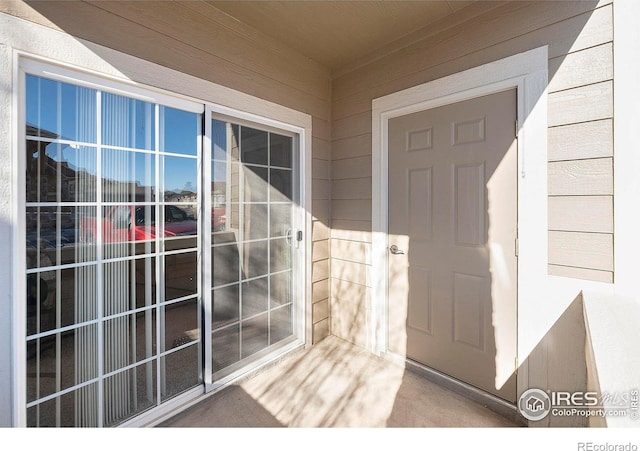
395	251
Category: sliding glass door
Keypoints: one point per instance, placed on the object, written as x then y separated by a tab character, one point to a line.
162	248
254	190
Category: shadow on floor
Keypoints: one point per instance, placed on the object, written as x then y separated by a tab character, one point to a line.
337	384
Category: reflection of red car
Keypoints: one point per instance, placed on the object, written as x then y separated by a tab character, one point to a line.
218	219
117	225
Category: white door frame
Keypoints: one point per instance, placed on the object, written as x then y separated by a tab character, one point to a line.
527	72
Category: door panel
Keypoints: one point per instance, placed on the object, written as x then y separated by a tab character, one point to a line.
253	253
453	213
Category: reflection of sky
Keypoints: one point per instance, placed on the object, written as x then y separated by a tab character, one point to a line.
180	174
65	110
181	131
61	110
123	166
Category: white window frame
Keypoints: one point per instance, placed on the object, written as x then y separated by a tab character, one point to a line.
527	72
177	90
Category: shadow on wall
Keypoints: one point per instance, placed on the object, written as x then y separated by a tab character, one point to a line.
558	362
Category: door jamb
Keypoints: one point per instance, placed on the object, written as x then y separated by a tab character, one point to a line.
528	73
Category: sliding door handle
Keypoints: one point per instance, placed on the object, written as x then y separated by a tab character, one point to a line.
395	251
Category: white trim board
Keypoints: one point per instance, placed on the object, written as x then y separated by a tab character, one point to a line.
541	298
626	104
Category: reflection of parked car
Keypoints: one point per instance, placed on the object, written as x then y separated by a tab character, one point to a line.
117	225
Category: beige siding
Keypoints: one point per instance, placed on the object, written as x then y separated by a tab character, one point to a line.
198	39
581	250
582	140
581	213
579	36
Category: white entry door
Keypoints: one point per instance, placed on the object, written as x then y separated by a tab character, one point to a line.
452	240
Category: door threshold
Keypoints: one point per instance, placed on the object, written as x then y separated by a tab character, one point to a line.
488	400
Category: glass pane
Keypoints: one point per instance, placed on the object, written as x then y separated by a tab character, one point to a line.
60	173
181	323
255	335
128	176
58	110
254	146
223	192
182	371
64	359
129	339
60	298
129	393
128	285
280	220
127	230
255	183
281	185
179	179
225	347
181	275
226	261
254	297
255	260
180	227
280	258
280	150
180	131
78	408
55	235
226	306
281	324
281	288
219	218
225	140
127	122
256	221
144	282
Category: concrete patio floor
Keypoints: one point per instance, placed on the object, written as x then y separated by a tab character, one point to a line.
336	384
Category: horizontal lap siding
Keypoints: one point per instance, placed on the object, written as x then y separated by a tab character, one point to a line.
198	39
321	234
579	36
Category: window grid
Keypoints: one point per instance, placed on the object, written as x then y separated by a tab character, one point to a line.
242	278
99	261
